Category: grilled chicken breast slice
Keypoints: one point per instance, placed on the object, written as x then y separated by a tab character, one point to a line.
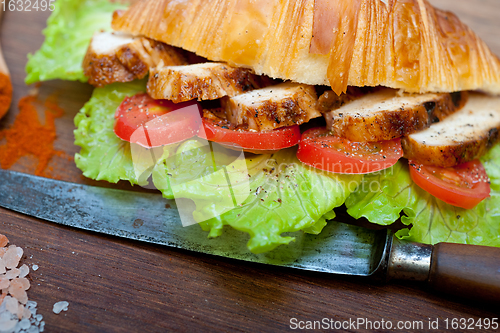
280	105
117	57
463	136
205	81
384	115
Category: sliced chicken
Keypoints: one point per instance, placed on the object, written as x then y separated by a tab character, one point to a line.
384	115
117	57
330	101
205	81
272	107
463	136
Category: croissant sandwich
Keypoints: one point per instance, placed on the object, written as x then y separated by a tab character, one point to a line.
387	108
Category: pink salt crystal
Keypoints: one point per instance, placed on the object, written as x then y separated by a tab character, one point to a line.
20	311
2	251
13	273
26	313
25	282
18	292
4	282
2	296
23	270
2	267
12	256
11	305
3	240
20	283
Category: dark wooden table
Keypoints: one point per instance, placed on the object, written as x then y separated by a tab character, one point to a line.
116	285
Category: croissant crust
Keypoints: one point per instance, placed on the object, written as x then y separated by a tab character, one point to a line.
402	44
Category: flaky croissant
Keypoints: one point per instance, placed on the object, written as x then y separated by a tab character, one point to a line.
403	44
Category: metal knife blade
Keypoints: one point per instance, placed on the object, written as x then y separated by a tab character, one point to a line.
340	248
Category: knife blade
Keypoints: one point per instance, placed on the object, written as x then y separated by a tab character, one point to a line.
466	270
340	248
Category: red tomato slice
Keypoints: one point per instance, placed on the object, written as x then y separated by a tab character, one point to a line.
464	185
252	141
151	123
321	150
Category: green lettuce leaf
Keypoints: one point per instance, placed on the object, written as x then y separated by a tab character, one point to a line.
285	196
103	156
69	30
263	195
382	196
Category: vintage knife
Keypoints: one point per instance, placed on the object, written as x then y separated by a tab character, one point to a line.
462	270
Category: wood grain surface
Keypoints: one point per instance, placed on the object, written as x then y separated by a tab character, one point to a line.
116	285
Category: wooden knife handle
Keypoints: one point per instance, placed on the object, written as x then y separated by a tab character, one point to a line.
469	271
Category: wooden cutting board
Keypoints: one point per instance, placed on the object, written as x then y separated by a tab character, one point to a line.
116	285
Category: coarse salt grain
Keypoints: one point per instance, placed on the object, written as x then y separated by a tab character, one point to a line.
24	270
24	324
34	267
18	292
60	306
3	240
2	267
14	316
13	273
26	313
4	283
21	282
11	304
20	311
12	257
7	324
